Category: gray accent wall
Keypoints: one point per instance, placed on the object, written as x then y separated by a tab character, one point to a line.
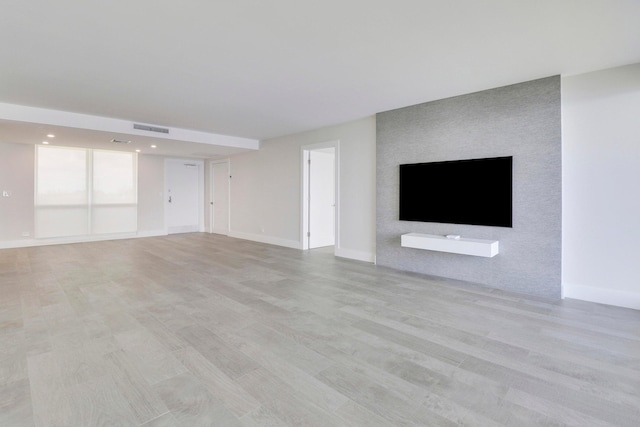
523	121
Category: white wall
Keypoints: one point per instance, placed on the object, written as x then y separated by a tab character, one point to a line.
17	163
17	177
601	186
266	189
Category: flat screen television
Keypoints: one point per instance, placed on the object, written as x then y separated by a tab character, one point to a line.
475	191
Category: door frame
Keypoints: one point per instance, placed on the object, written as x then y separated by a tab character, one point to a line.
304	191
200	164
211	194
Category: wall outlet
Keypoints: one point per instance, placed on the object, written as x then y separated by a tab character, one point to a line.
26	234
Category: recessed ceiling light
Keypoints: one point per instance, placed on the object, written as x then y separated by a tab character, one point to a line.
51	135
153	146
137	151
45	142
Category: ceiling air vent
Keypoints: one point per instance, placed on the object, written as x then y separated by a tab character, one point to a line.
121	141
150	128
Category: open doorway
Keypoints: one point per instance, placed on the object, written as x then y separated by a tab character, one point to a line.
320	219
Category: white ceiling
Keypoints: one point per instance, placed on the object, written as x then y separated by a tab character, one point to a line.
36	133
260	69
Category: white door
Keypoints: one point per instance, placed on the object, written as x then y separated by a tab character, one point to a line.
220	198
321	198
183	188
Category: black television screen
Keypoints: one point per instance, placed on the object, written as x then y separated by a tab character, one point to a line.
476	192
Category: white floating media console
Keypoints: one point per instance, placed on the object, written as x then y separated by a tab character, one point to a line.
475	247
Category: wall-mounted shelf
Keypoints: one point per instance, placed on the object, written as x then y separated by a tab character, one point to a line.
475	247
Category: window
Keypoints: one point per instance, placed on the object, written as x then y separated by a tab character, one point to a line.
85	192
114	195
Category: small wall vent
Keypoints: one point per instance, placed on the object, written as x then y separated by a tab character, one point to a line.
150	128
121	141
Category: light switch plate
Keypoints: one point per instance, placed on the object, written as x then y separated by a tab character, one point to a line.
6	193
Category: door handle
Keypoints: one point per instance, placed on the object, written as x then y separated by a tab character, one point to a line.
169	199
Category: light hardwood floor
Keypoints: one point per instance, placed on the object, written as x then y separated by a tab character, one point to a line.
199	330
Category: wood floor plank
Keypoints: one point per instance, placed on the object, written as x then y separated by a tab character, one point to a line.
282	400
509	356
163	335
192	404
618	414
550	411
143	402
99	403
51	404
298	355
355	415
13	357
381	400
306	385
221	386
164	420
202	329
479	394
226	358
149	356
16	405
261	417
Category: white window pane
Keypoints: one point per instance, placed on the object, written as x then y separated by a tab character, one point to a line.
61	221
61	176
114	219
114	177
63	205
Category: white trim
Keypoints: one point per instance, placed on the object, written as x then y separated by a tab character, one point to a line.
602	296
304	241
266	239
151	233
357	255
27	243
183	229
23	113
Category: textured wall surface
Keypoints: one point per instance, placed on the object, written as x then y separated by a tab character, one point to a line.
523	121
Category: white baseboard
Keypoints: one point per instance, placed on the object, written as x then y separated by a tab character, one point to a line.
602	296
27	243
293	244
151	233
357	255
185	229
